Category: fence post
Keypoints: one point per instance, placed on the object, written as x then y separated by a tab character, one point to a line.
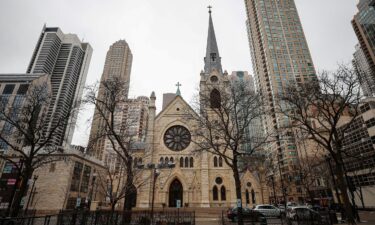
47	219
74	217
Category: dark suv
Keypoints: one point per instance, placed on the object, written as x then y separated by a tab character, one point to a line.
248	215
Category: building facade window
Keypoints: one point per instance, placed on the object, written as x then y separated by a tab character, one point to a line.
215	161
215	194
220	161
215	99
223	193
181	162
191	162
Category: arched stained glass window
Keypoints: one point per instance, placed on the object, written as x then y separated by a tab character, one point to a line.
223	193
215	99
215	194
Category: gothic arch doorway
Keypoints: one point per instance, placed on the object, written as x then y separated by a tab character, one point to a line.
176	192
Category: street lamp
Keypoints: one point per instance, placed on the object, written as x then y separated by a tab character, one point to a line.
155	173
93	185
283	189
273	186
31	193
328	159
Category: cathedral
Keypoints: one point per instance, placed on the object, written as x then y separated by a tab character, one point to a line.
176	175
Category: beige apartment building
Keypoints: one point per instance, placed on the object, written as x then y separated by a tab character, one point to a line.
72	181
280	57
118	64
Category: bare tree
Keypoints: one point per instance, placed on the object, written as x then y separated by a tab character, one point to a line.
324	110
27	133
109	106
224	119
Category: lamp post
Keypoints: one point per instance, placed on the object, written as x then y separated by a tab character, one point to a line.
156	173
283	189
328	159
18	180
91	199
31	193
273	188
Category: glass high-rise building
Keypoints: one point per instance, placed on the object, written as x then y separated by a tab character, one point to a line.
364	27
66	58
280	57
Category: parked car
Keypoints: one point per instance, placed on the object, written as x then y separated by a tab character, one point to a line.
268	210
282	208
303	213
248	215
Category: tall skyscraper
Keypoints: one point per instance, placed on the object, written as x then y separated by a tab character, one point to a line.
365	73
67	60
364	27
280	56
118	64
133	114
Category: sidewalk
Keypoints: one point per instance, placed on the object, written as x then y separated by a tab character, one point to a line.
367	217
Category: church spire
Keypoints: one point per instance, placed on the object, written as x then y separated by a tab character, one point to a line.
212	59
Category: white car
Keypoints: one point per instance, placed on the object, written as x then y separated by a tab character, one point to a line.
303	213
268	210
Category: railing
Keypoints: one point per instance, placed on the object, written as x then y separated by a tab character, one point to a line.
169	217
35	220
77	217
324	219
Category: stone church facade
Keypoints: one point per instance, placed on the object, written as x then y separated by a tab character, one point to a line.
175	174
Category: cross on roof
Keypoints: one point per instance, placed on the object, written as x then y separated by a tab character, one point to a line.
178	92
209	8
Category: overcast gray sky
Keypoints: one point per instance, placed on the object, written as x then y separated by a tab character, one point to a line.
167	37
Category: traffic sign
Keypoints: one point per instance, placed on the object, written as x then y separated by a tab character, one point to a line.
78	203
239	203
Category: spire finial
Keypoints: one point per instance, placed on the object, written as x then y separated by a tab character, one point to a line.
209	9
178	92
212	59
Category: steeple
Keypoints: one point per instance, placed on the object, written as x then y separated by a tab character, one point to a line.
212	59
178	92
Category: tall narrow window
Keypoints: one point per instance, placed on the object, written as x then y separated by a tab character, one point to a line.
161	161
247	197
253	196
171	160
223	193
135	162
181	162
215	161
220	161
191	162
215	194
186	162
215	99
166	160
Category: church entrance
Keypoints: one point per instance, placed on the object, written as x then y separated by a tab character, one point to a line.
175	193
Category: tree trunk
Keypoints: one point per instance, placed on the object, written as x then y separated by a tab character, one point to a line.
311	196
344	192
129	191
237	182
25	177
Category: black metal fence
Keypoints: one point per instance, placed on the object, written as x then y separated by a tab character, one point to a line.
169	217
35	220
325	218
